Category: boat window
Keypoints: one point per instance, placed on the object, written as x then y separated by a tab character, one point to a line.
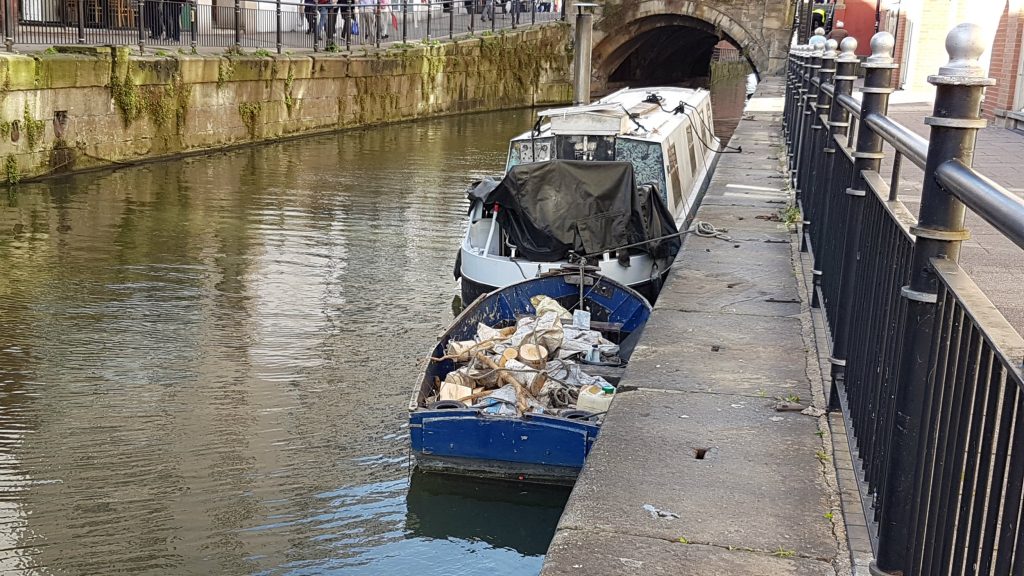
585	147
526	151
693	150
648	162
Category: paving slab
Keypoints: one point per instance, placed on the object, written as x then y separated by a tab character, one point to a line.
628	556
736	472
721	353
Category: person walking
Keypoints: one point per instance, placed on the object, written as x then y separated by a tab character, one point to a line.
488	12
516	9
309	10
839	32
323	9
367	21
344	7
384	17
153	16
172	19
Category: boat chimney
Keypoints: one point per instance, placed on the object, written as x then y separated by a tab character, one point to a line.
584	42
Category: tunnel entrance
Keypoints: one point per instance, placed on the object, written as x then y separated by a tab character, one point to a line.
670	55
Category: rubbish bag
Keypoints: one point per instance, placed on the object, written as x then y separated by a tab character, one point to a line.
545	304
355	27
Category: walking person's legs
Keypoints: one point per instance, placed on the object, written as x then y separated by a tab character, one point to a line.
321	24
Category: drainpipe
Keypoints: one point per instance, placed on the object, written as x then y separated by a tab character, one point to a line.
581	63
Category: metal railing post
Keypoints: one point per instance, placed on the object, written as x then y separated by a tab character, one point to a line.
451	19
142	31
378	24
193	19
787	125
803	60
429	18
533	12
8	27
805	120
277	15
405	21
494	10
472	18
80	8
238	25
819	162
839	122
955	121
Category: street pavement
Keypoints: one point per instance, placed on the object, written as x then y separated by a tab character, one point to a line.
995	263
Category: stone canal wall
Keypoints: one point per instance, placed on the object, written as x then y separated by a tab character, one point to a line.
81	108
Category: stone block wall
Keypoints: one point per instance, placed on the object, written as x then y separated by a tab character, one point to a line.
82	108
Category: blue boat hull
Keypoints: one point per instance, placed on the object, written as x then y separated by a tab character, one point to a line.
533	447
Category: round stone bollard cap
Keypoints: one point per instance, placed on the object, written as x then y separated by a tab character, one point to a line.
831	47
817	45
882	44
848	49
965	44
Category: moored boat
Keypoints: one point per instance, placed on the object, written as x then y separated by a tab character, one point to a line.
671	151
484	407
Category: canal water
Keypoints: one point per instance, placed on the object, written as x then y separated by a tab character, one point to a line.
205	363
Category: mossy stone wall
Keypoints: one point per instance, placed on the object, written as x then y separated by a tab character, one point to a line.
81	108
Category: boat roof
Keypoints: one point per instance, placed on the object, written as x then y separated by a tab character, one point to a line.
626	113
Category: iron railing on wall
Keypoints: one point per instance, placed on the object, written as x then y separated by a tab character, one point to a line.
274	25
929	373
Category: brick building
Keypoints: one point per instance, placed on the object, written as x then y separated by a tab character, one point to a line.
920	27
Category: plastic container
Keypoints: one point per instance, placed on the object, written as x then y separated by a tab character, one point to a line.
593	398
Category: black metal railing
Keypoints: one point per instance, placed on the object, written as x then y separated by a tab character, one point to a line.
268	25
925	368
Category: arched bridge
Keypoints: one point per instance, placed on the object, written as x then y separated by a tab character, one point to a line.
665	41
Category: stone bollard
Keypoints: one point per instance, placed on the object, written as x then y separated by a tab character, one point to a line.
955	122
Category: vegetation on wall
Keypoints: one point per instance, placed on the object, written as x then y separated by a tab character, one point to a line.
125	94
250	113
11	173
34	129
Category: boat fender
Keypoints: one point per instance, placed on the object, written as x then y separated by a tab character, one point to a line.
446	405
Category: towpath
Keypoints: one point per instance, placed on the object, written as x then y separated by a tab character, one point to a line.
696	470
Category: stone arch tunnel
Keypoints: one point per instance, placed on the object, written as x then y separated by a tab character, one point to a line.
647	42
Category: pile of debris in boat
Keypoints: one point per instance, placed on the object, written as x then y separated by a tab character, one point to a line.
540	365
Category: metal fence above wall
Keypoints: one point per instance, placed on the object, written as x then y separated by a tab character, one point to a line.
268	25
926	369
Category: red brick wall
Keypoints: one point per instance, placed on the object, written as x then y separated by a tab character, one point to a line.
895	22
1006	51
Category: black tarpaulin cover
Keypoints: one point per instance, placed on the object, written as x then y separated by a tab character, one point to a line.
548	209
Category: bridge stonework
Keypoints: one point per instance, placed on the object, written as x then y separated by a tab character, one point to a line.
761	29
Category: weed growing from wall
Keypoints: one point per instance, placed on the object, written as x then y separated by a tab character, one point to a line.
12	175
34	129
250	113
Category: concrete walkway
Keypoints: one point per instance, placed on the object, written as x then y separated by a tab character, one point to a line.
696	471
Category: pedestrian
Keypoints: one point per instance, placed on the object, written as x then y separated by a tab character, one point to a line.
384	17
817	18
839	32
323	9
309	10
516	7
488	12
751	84
153	17
172	19
344	8
367	21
